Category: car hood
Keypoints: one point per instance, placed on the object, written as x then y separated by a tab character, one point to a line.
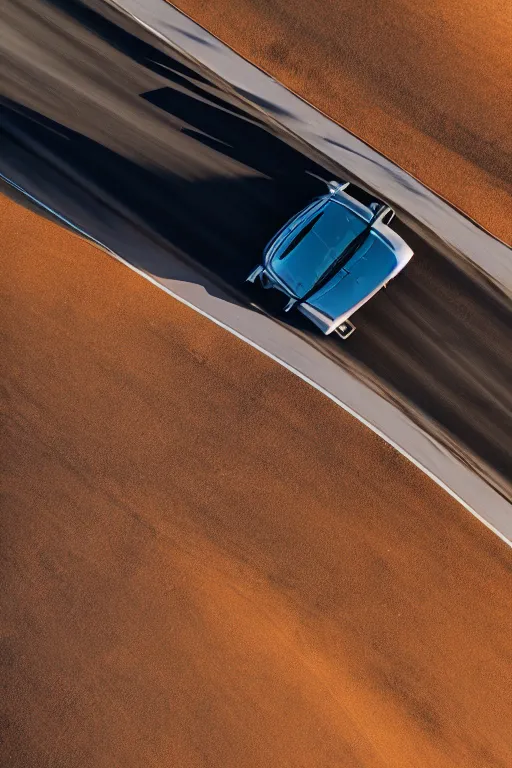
369	269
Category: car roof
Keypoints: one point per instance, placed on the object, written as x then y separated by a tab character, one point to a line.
382	255
304	252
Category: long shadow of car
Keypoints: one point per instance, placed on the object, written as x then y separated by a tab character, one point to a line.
222	223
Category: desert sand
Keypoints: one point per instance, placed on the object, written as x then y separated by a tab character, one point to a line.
205	562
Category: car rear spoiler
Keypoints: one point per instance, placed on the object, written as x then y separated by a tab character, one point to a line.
337	186
332	186
384	211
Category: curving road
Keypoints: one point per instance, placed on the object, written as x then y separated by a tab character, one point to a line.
425	83
206	562
111	124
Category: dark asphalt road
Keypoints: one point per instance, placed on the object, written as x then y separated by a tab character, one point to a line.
98	108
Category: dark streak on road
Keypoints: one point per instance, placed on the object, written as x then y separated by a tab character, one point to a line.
98	105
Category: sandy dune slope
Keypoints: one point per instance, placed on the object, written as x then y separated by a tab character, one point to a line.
427	84
205	562
105	123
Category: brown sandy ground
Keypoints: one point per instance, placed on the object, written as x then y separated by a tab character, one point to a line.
206	563
429	84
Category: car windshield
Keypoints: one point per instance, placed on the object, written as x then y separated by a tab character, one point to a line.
303	259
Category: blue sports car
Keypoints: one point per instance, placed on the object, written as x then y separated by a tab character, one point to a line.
332	257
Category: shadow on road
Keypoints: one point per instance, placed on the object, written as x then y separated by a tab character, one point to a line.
222	223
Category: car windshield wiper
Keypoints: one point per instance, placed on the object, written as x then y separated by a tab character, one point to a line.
340	261
300	236
345	256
